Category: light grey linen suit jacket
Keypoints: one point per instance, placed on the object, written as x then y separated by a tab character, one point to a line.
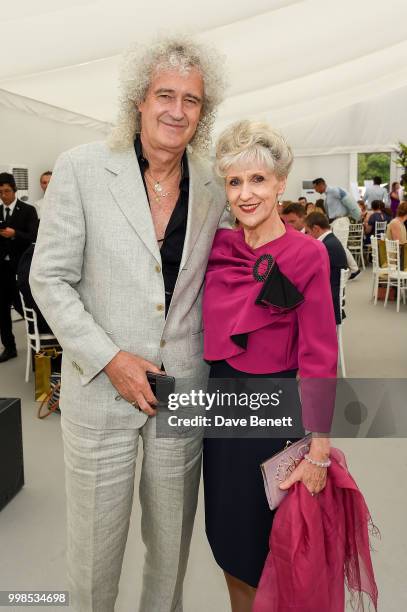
96	276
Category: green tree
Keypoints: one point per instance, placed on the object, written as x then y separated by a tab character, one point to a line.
373	164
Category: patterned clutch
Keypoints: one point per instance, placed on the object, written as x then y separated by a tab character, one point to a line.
276	469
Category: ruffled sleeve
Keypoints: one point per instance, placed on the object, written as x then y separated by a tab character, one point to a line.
317	341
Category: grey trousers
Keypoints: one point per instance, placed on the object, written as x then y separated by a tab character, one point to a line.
100	468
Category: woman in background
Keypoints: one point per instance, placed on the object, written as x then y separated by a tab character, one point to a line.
396	229
394	197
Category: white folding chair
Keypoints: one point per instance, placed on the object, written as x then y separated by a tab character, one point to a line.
379	272
35	340
380	228
344	279
395	276
355	242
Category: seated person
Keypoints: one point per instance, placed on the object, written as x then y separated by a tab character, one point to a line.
370	222
386	212
309	208
320	206
363	210
396	230
23	273
294	214
317	226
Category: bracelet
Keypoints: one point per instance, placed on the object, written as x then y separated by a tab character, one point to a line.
321	464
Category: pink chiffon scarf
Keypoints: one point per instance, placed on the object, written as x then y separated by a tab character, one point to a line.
317	546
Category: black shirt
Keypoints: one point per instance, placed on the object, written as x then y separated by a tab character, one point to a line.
174	238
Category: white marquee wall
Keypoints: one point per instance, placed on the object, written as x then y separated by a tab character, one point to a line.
30	137
332	76
334	168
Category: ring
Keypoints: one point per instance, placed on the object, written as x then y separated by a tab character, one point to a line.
135	405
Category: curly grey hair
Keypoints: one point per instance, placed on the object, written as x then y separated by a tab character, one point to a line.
178	53
247	141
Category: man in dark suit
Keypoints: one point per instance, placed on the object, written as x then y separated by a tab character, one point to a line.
18	229
317	226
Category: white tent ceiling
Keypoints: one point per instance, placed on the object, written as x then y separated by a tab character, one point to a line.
295	62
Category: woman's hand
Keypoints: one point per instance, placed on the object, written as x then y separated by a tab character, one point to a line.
312	476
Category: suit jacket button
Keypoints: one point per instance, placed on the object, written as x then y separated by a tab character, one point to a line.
158	269
160	307
162	343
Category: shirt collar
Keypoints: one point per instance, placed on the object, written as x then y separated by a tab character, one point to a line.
322	236
10	207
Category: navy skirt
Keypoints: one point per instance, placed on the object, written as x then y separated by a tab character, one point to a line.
238	519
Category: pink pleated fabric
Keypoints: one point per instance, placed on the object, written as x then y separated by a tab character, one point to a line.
301	338
317	545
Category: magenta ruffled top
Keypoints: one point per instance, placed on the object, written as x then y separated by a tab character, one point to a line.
299	337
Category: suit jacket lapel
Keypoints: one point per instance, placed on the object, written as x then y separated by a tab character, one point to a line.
127	188
15	216
200	199
17	213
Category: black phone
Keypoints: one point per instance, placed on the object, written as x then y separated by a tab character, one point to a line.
161	385
3	225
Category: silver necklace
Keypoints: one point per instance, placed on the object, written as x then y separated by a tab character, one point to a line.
158	188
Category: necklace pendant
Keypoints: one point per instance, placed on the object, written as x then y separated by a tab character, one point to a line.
157	187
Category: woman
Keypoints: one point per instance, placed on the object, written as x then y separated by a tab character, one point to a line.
394	197
363	210
320	206
396	229
245	339
309	208
386	211
376	215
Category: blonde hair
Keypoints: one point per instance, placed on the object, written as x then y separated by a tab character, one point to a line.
172	53
247	141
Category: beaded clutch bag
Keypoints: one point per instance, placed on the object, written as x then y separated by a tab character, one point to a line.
276	469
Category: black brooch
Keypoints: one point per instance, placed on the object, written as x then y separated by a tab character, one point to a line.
260	266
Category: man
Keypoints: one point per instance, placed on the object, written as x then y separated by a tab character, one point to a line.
339	205
303	201
18	229
294	214
282	205
118	273
44	182
375	192
317	225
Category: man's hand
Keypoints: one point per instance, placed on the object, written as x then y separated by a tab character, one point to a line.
8	232
127	373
